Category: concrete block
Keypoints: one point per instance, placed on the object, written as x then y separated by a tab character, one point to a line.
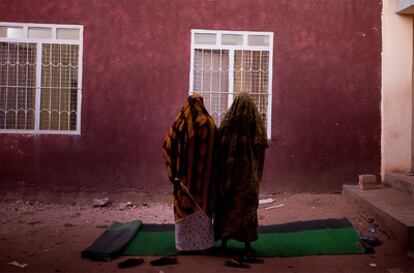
367	181
367	178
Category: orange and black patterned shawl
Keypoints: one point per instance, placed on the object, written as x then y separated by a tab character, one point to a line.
188	150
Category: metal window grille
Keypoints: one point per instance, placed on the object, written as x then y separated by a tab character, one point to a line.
40	78
17	85
224	63
211	79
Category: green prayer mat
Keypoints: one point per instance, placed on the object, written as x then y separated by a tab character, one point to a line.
315	237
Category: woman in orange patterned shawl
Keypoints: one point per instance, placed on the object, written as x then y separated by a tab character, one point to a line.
188	151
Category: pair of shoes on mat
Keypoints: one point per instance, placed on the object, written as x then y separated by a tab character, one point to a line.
158	262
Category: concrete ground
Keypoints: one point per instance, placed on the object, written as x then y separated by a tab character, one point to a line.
48	231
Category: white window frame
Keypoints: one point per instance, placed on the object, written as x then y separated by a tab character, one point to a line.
232	48
39	42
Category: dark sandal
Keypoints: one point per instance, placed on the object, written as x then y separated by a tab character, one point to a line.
237	264
164	261
252	260
130	263
368	249
372	241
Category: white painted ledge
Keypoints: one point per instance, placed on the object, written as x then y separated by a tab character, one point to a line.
405	7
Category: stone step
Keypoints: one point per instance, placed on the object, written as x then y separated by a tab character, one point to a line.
401	182
392	209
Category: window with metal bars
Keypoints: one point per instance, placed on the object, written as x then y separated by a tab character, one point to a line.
40	78
224	63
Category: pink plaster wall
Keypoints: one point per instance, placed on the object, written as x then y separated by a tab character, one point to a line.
326	90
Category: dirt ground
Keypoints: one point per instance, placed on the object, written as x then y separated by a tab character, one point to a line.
48	231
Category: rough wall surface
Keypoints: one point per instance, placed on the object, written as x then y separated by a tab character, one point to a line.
326	90
397	89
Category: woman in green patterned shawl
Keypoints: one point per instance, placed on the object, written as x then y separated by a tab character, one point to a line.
241	151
